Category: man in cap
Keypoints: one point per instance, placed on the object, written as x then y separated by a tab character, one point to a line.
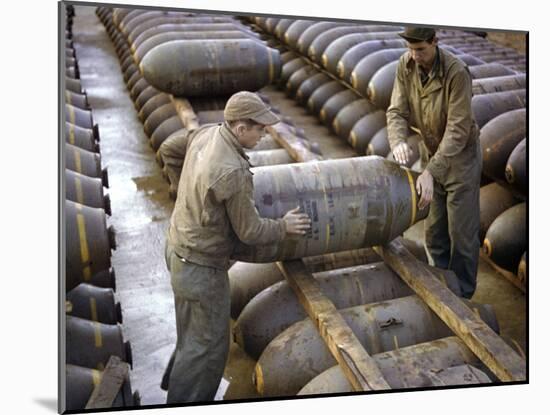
432	96
214	209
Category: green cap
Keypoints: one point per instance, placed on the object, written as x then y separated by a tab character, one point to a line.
247	105
417	34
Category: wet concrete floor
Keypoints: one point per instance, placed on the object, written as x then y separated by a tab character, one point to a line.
141	211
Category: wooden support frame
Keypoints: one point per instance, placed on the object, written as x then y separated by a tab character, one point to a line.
490	348
185	111
114	375
295	146
359	367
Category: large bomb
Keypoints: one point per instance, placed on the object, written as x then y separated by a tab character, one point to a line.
276	308
440	362
516	168
299	353
210	67
498	139
506	239
352	203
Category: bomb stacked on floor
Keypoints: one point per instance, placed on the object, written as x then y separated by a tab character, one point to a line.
209	71
343	73
93	318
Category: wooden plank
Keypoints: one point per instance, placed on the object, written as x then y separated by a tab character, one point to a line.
186	113
490	348
360	369
107	389
513	278
296	147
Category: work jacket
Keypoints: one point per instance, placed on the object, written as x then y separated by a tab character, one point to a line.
440	111
214	206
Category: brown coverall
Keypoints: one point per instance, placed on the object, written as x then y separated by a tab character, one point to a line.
440	111
214	209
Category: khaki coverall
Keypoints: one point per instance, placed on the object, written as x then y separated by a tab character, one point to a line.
440	111
214	209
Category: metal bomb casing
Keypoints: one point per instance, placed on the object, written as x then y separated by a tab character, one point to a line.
506	239
276	308
352	203
210	67
161	38
299	353
516	168
91	344
94	303
246	280
420	365
89	241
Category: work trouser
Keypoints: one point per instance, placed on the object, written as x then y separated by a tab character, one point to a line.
452	226
202	304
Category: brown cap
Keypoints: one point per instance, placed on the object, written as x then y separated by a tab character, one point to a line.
417	34
247	105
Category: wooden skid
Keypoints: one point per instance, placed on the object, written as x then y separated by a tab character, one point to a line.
293	145
490	348
186	113
360	369
114	375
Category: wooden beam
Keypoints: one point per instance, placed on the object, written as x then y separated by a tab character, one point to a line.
297	148
186	113
490	348
107	389
360	369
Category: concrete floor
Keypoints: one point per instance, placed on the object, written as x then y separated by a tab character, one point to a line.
141	210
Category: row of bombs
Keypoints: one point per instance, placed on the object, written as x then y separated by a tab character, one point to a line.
339	47
411	346
192	55
503	207
503	230
93	327
356	115
93	317
71	66
166	131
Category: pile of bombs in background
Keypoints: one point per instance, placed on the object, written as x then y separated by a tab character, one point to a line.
343	74
140	39
93	317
